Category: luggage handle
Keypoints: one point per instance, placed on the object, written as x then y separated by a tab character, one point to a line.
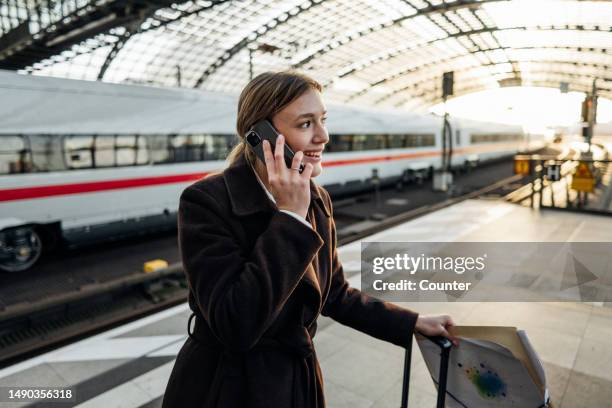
445	348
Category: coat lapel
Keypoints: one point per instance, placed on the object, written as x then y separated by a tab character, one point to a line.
245	194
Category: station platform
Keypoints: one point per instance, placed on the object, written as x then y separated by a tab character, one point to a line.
128	367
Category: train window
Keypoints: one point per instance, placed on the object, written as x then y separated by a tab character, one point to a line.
428	140
185	148
188	148
343	143
457	137
47	152
105	151
420	140
339	143
197	147
78	151
15	156
218	147
368	142
131	150
142	151
494	137
379	142
513	136
396	141
359	142
158	145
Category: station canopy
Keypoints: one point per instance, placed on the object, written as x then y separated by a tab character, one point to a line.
387	53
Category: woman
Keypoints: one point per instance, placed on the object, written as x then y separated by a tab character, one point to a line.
258	244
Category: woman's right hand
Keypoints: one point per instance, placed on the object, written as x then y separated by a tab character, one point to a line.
290	189
437	326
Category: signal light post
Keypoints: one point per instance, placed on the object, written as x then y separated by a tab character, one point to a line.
589	117
443	179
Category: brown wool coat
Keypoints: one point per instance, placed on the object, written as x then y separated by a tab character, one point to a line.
258	280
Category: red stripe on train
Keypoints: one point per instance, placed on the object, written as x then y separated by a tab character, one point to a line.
332	163
462	150
93	186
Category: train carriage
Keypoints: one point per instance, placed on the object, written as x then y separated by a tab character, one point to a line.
82	161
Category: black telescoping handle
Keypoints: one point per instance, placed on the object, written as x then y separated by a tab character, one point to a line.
445	348
406	380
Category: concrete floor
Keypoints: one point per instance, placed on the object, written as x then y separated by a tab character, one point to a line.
129	366
571	338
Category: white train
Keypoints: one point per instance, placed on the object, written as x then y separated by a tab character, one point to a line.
82	161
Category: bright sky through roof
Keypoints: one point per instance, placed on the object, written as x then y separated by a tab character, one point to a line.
528	106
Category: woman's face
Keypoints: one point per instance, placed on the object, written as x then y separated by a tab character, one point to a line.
302	122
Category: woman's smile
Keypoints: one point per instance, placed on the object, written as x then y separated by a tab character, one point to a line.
313	156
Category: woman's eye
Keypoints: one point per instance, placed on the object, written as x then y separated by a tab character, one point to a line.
324	119
305	124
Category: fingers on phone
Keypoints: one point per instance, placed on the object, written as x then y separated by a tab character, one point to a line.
307	170
279	151
268	156
297	160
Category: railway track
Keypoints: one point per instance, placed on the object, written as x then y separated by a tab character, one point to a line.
33	328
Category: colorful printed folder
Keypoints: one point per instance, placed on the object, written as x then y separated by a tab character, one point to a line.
492	367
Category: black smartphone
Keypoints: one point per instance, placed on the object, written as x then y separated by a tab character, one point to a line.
263	130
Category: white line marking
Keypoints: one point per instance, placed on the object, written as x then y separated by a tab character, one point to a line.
85	344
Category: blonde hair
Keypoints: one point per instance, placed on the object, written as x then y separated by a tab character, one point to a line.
262	98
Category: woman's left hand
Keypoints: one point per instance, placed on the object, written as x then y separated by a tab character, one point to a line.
436	326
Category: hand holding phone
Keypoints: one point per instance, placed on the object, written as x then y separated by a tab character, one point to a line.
263	130
289	182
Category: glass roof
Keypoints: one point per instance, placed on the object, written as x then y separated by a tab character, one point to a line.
370	52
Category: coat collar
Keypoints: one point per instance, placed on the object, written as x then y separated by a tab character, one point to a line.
246	195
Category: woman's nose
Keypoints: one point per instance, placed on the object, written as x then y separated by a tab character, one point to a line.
321	135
